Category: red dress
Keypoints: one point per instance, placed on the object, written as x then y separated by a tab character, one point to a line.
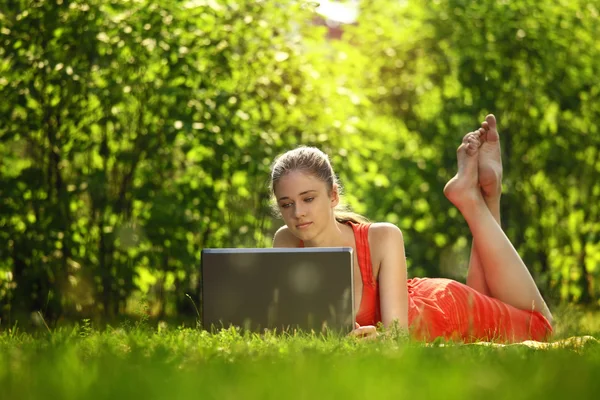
443	307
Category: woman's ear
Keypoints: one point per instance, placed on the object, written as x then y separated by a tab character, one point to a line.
335	195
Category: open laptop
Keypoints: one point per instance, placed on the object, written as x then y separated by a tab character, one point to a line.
281	289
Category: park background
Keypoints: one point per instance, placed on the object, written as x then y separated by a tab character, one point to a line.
135	133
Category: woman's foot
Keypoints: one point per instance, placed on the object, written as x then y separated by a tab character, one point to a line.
463	189
490	161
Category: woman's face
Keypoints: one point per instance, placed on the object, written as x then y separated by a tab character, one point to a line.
305	203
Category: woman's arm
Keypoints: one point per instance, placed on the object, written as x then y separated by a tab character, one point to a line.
389	244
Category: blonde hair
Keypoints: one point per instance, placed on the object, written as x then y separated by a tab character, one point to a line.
313	161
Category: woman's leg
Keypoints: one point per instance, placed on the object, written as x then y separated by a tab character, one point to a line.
475	273
506	275
490	183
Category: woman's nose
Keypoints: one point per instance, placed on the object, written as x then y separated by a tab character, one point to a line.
300	211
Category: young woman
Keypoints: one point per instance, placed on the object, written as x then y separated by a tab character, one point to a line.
500	301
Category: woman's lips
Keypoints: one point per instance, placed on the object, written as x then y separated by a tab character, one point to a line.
304	226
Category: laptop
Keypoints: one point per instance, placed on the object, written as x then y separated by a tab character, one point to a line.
278	289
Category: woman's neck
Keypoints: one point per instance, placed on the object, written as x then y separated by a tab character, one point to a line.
337	235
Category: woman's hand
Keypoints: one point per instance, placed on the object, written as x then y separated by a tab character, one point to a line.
364	332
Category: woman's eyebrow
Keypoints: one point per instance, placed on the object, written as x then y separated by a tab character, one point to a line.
305	192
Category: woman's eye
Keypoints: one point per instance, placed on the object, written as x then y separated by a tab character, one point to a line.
286	205
309	199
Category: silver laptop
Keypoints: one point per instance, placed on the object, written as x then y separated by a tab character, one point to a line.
280	289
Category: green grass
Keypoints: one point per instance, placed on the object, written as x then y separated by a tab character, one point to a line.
180	363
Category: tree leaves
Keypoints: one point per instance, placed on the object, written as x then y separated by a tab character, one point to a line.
136	133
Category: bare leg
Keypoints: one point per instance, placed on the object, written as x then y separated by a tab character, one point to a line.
476	274
490	183
505	273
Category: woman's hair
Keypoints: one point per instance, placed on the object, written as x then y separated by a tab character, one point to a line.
312	161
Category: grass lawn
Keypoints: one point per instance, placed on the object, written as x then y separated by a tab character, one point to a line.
179	363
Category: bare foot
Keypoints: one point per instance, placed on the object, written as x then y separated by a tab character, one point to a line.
490	161
463	189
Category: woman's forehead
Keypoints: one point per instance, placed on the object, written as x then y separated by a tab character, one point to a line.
297	182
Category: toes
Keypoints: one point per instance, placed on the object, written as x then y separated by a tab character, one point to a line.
464	148
474	139
491	121
489	128
466	137
482	134
470	145
472	149
492	129
470	135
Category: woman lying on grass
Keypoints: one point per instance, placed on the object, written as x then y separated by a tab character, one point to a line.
500	301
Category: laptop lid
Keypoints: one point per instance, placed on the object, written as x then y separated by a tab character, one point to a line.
278	288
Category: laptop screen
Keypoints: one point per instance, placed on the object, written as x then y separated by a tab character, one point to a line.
281	289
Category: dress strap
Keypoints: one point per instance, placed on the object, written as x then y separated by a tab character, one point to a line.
361	235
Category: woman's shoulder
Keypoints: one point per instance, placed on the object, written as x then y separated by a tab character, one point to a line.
284	238
382	233
385	240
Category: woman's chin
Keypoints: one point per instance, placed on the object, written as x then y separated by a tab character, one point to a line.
304	234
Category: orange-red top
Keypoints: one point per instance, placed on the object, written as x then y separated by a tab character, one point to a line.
443	307
369	312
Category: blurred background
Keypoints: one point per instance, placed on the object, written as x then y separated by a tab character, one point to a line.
134	133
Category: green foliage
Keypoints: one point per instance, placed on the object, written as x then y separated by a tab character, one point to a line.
135	133
439	67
